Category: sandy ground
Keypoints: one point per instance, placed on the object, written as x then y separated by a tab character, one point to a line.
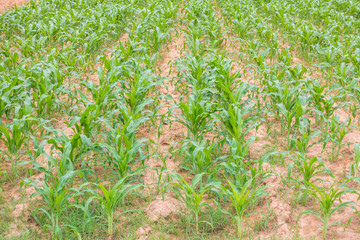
8	4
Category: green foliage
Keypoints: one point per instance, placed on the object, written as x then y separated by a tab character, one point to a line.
111	197
326	198
14	139
308	168
242	197
354	167
123	151
56	195
200	156
337	131
302	140
97	68
194	194
195	115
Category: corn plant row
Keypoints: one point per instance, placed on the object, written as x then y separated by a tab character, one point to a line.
42	90
21	72
83	26
326	43
104	124
126	81
38	77
213	103
337	59
293	99
44	68
344	74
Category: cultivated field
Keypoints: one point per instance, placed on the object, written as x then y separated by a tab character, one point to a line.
180	119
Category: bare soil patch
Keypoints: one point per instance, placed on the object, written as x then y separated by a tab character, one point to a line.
8	4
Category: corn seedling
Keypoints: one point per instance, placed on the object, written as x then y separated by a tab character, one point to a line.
122	150
326	199
87	124
337	131
56	196
199	156
111	197
308	169
194	194
195	115
77	145
242	197
301	141
140	83
13	138
354	167
237	123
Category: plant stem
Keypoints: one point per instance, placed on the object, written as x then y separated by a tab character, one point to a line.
239	227
110	224
325	229
13	164
197	222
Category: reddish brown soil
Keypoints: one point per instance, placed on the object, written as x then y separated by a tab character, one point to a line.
8	4
169	135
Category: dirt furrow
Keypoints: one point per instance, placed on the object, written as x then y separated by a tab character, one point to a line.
171	132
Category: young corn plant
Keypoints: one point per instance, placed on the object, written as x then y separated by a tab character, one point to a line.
326	198
337	131
230	90
136	86
326	107
123	151
193	195
195	71
87	123
308	169
343	73
354	168
235	93
237	123
111	197
301	141
291	117
45	97
60	162
242	197
139	93
77	144
244	172
318	99
102	95
24	112
284	99
14	139
195	115
130	122
56	195
199	156
327	110
195	45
